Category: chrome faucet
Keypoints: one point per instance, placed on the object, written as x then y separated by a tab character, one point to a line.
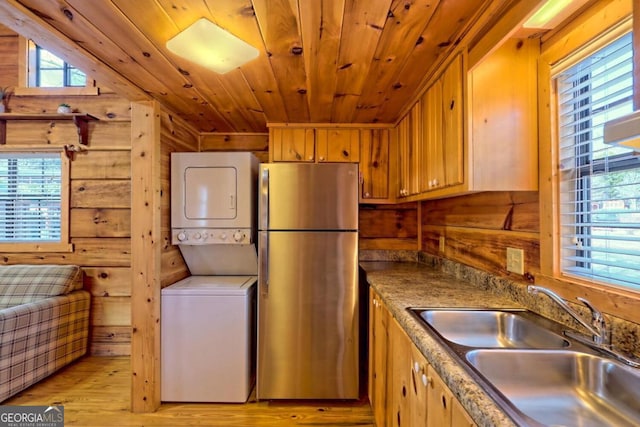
597	327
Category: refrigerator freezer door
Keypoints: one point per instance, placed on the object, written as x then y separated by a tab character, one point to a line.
308	316
298	196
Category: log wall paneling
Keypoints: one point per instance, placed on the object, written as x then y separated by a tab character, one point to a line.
146	256
257	143
175	136
393	227
478	228
100	216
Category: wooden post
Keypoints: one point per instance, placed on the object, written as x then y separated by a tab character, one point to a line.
145	256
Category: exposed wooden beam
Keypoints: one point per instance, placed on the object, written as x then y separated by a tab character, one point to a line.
146	245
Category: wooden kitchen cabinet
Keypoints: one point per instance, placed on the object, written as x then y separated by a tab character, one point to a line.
430	137
409	140
378	340
478	137
374	166
310	144
503	117
337	145
404	390
460	417
288	144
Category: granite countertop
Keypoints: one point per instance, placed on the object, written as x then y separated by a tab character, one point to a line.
412	284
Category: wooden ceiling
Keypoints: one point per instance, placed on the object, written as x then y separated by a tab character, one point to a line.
321	61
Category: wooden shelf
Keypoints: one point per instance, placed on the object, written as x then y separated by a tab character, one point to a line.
81	120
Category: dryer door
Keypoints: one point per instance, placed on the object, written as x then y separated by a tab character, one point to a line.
210	193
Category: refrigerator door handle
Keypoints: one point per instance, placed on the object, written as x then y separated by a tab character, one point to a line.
263	272
264	199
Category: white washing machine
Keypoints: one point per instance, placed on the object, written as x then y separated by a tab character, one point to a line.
207	339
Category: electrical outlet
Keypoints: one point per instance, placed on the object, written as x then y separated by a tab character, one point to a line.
515	260
441	247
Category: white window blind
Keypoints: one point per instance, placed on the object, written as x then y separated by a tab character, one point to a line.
30	197
599	184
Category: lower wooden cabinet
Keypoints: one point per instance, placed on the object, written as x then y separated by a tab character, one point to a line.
404	389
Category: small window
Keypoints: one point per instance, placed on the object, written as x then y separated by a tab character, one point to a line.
599	184
33	201
43	73
48	70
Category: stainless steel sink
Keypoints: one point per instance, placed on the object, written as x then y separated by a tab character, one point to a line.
562	387
491	328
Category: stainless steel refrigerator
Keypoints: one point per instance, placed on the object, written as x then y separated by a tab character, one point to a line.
308	281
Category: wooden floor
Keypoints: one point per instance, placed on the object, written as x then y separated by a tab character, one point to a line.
95	392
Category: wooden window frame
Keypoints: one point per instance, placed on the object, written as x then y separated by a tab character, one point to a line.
584	35
26	52
64	244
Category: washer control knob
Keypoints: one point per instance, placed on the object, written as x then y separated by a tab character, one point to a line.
238	236
182	236
197	236
223	236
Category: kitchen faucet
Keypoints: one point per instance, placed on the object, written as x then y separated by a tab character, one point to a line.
597	327
600	336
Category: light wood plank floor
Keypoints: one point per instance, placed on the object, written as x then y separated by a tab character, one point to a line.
95	392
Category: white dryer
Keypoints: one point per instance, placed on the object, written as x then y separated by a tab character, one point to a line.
207	339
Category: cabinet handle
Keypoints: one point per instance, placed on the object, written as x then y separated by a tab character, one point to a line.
426	380
416	367
321	158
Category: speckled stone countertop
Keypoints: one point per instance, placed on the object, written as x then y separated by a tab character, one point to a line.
412	284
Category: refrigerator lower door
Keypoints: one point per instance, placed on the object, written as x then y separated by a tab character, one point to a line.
308	316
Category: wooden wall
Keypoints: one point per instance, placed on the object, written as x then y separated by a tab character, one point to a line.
478	228
175	136
99	207
392	227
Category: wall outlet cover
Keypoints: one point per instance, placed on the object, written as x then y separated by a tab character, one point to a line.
515	260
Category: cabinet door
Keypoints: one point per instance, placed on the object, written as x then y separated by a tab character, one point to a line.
439	398
452	122
460	417
338	145
378	327
400	377
504	118
374	165
292	144
433	155
409	149
419	388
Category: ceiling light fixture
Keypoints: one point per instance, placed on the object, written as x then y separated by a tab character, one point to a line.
206	44
545	17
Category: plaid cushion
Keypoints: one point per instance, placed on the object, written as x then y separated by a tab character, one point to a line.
38	338
20	284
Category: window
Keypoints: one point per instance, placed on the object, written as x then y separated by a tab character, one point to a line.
599	185
33	201
48	70
43	73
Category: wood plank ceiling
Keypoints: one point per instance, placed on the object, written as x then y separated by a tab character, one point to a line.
321	61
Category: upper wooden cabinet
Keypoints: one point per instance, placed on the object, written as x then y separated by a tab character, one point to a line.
337	145
374	166
477	129
309	144
503	119
369	147
288	144
430	137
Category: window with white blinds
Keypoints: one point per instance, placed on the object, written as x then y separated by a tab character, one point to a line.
30	197
599	183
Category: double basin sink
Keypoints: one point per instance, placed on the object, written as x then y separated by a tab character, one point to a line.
536	374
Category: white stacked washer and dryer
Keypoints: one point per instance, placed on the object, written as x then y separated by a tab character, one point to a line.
208	319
